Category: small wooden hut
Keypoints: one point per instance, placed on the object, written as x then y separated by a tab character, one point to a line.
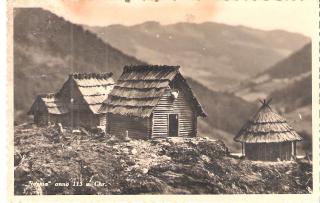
152	101
81	96
47	108
267	136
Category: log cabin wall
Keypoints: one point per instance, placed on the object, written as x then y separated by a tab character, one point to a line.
44	118
57	118
102	119
167	105
285	150
138	128
40	113
269	151
41	118
80	114
75	119
83	119
66	120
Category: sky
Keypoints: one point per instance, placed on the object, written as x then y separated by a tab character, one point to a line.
294	16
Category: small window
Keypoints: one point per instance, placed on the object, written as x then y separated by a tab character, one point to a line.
174	94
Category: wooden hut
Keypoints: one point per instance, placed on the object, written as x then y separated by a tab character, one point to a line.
81	97
152	101
47	108
267	136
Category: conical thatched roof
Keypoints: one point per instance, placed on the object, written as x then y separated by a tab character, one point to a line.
266	126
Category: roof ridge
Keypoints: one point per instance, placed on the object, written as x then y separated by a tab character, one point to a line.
148	67
88	75
264	109
47	95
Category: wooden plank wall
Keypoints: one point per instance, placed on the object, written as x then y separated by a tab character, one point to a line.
64	119
167	105
138	128
41	118
70	90
86	119
102	119
269	151
55	118
75	119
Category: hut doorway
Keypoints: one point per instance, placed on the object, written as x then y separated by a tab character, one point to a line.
173	125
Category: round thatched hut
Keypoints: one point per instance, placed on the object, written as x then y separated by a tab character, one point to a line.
267	136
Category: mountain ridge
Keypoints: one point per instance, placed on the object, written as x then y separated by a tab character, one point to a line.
221	54
293	69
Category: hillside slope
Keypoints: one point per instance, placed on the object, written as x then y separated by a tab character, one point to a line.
226	114
217	55
47	48
293	69
289	84
296	64
105	165
295	95
225	111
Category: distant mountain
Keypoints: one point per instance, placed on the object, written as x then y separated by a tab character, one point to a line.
217	55
47	48
288	77
295	95
296	74
296	64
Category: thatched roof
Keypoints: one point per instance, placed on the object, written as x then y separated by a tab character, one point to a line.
266	126
140	88
94	88
48	103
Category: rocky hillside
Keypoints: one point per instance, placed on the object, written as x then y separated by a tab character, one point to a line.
217	55
47	48
46	161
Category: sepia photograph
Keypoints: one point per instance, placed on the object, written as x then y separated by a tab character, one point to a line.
163	97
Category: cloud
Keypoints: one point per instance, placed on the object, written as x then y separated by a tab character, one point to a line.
266	15
102	12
